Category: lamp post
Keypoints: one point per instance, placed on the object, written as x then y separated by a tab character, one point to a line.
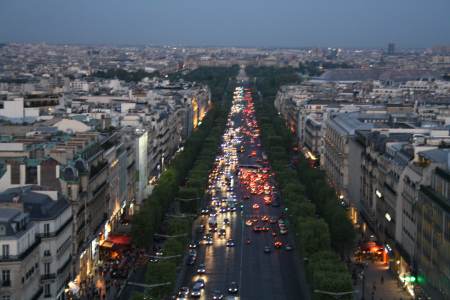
363	292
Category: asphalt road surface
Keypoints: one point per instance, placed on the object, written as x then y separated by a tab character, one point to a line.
259	275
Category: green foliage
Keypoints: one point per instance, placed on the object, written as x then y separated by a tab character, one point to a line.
174	246
161	272
313	235
179	226
137	296
325	265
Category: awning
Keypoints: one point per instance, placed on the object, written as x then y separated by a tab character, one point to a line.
123	240
106	244
370	246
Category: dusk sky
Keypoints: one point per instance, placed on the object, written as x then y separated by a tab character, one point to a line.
283	23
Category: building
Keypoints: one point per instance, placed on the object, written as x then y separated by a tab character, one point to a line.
20	257
433	226
391	49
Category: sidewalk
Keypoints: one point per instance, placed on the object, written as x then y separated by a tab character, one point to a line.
388	290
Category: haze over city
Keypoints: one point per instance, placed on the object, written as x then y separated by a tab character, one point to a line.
249	23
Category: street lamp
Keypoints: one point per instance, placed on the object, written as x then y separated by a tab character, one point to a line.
363	277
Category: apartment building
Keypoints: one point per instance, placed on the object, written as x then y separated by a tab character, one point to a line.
49	214
433	226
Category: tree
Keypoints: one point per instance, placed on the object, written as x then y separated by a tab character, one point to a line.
161	272
313	234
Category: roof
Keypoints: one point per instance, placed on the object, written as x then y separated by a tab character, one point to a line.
40	206
377	74
7	214
437	155
72	126
347	123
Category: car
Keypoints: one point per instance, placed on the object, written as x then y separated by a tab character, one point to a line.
222	233
201	269
153	259
193	245
283	231
230	243
205	211
159	253
255	206
257	228
217	295
267	249
233	288
183	293
196	291
209	242
249	222
288	247
200	282
277	244
226	221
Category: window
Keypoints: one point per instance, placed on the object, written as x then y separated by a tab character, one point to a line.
47	253
15	173
31	175
6	277
5	251
47	268
46	229
47	290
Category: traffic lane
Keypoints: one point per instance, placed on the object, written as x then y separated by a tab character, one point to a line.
284	277
262	279
222	263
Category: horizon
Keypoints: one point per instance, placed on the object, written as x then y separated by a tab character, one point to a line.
409	24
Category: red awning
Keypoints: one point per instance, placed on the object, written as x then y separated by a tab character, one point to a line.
368	246
119	239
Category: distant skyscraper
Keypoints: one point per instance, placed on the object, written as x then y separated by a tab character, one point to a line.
391	48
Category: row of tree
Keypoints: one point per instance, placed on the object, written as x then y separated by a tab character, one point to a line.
217	78
184	183
322	228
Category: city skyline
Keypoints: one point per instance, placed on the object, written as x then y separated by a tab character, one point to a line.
294	24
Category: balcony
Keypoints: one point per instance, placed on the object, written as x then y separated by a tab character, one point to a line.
49	276
24	254
6	283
